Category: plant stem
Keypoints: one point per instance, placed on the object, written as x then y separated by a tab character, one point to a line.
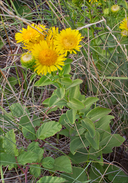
1	172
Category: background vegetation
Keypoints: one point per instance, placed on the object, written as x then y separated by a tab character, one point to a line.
102	65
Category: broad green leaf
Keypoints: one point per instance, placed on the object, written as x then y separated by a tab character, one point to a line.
63	164
94	142
25	11
51	179
35	170
61	103
78	175
60	92
12	80
9	143
68	61
48	162
46	101
77	143
103	122
17	110
64	132
66	69
75	83
34	147
113	140
87	123
80	156
24	121
89	101
53	100
48	129
64	121
27	157
29	132
36	121
7	159
75	104
66	81
71	115
43	81
97	113
1	144
74	92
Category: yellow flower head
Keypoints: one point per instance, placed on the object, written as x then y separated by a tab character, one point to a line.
124	33
115	8
124	24
30	35
47	58
52	33
95	1
68	41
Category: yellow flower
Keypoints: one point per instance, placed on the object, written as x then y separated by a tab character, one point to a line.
68	41
52	33
30	35
27	60
124	33
47	58
95	1
124	24
115	8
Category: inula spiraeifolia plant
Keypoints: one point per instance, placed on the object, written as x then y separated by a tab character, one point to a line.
80	119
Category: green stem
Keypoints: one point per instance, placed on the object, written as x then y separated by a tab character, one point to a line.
1	172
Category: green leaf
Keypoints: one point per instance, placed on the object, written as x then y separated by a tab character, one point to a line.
36	121
78	175
74	92
71	115
93	141
87	123
2	43
51	179
9	143
75	104
43	81
24	121
103	123
48	129
76	143
80	156
75	83
112	140
27	157
66	81
29	132
97	113
68	61
17	110
63	164
12	80
25	11
34	147
89	101
53	100
35	170
60	92
64	121
48	162
66	69
7	159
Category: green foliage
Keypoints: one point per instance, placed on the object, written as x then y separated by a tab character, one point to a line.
51	179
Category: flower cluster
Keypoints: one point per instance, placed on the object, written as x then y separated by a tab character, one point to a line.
124	27
47	48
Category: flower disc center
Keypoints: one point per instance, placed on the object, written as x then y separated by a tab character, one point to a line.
69	42
47	57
